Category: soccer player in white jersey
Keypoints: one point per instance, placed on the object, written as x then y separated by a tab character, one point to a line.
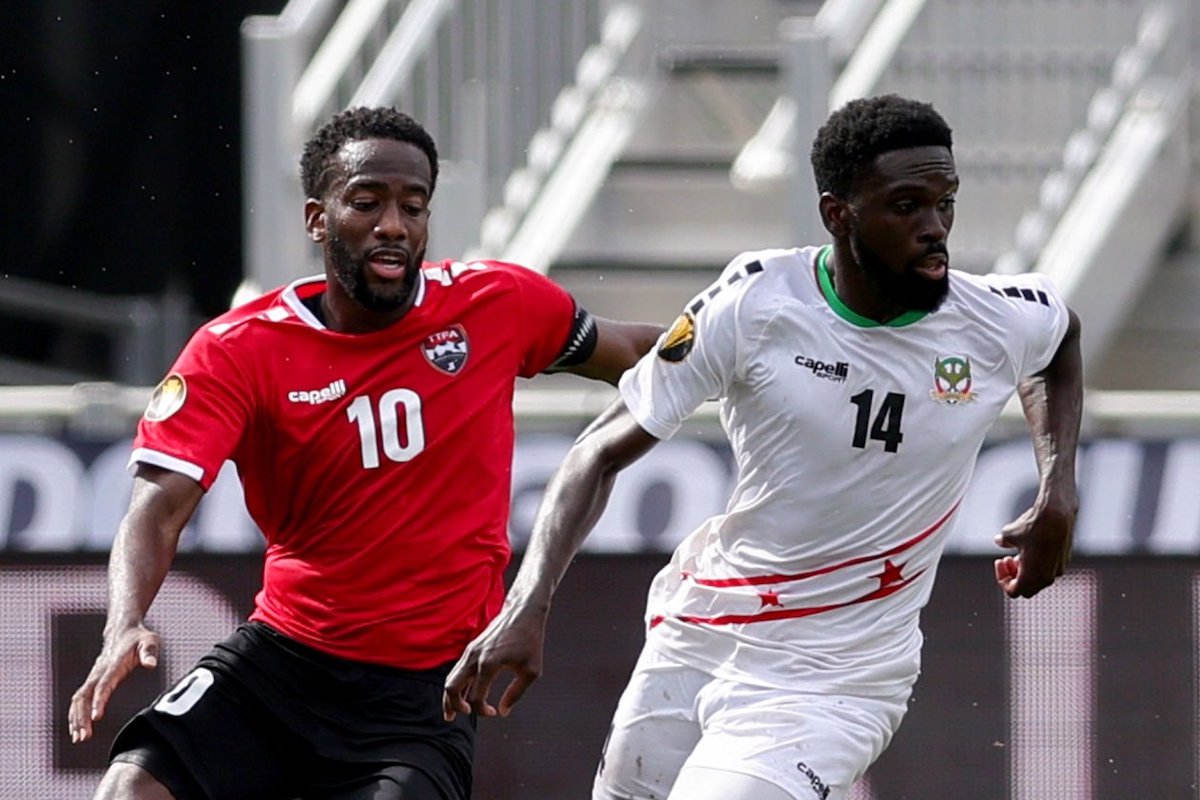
856	384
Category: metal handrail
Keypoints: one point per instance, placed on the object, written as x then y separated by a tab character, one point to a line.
481	96
863	39
1131	69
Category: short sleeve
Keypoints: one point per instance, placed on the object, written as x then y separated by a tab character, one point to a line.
197	414
696	360
546	313
1038	318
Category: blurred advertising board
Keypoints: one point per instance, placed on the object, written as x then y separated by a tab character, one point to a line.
64	493
1086	692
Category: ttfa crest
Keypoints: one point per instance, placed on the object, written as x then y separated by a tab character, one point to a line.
447	350
952	380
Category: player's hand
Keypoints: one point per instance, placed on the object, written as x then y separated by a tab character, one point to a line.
1042	538
121	654
513	642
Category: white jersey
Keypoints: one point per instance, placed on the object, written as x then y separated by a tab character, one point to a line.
854	444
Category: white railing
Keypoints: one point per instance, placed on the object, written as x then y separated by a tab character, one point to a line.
861	39
481	75
1133	68
568	159
1105	216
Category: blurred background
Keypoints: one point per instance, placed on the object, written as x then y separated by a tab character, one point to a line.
628	149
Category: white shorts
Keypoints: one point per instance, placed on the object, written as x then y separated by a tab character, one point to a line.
673	717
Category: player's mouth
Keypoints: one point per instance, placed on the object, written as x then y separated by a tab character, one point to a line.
388	263
933	266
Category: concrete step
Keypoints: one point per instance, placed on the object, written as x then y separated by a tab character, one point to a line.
1156	347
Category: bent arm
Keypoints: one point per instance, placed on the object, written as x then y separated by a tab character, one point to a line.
146	541
1053	404
619	345
142	552
573	501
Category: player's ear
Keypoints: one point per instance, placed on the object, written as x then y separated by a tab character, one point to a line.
835	215
314	219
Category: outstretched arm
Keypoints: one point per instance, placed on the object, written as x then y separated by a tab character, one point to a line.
162	503
1053	404
574	500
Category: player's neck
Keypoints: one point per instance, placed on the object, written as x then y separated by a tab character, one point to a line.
343	314
857	291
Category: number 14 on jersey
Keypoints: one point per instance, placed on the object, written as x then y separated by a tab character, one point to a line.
885	426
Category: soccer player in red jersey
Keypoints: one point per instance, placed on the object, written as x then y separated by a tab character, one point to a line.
369	413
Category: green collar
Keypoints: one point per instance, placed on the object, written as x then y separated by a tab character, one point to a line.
844	311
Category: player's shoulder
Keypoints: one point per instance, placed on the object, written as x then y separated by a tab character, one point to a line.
752	276
269	308
262	320
1003	293
450	273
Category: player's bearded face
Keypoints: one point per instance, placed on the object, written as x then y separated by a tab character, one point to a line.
903	284
351	272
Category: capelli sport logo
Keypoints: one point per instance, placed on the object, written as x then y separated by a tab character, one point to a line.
679	340
836	371
952	380
168	398
814	780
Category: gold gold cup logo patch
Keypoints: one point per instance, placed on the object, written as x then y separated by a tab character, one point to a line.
679	340
168	398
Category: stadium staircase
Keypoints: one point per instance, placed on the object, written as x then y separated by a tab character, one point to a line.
631	147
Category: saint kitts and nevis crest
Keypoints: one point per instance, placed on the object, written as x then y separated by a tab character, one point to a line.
952	380
447	350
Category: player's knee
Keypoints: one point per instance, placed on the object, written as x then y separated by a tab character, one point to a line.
125	781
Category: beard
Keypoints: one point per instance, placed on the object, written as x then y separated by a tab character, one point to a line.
905	288
351	273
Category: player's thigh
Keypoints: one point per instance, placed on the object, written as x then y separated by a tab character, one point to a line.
394	783
704	783
813	746
188	736
125	781
653	730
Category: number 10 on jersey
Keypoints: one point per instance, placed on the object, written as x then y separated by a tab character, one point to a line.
386	420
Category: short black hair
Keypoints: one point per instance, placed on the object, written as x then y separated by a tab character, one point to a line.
356	125
862	130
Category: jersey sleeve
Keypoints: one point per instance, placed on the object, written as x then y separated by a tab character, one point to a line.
547	312
696	360
1038	320
197	414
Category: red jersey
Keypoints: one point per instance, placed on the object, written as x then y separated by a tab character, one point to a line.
378	466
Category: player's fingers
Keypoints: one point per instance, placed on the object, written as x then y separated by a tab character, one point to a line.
458	682
513	693
79	723
1007	574
148	654
477	695
1007	540
453	703
1006	568
109	679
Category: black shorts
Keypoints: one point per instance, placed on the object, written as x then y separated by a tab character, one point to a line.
262	716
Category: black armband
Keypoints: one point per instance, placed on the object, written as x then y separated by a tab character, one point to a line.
580	344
